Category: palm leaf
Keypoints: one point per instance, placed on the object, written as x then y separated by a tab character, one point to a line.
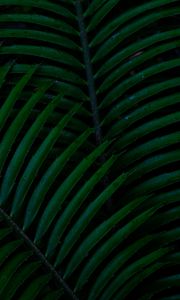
89	149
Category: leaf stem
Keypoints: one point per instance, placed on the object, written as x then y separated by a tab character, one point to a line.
91	88
38	253
89	72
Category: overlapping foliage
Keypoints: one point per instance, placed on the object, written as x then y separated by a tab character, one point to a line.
89	149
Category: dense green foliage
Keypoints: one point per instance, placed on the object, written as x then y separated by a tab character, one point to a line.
89	149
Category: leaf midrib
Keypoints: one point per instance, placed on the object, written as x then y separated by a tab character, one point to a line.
91	89
89	72
38	253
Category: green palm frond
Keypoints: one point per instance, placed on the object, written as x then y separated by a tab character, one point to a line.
89	149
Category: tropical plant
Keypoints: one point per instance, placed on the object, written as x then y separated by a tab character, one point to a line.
89	149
